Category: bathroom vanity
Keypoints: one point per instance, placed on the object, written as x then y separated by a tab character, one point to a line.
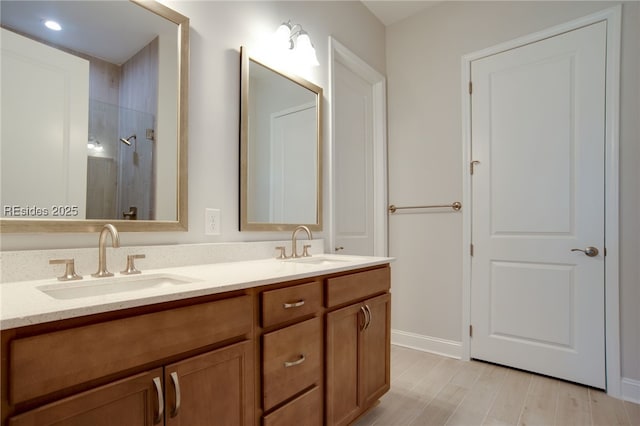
268	342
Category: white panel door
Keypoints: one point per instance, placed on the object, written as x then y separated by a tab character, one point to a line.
294	153
538	193
354	208
45	116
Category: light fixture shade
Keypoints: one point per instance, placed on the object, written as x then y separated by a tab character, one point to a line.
283	36
305	49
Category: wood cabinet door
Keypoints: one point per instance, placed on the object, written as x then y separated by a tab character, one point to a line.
132	401
376	344
343	400
215	388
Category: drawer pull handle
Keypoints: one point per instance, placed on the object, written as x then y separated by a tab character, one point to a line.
299	361
293	304
176	386
156	382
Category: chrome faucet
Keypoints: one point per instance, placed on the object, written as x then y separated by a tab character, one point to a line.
293	241
102	250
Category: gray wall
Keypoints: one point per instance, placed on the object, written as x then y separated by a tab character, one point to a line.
425	115
218	29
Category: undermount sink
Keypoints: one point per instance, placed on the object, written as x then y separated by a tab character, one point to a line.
319	260
122	284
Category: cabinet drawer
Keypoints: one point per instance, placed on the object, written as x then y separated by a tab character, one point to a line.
290	303
305	409
344	289
42	364
292	361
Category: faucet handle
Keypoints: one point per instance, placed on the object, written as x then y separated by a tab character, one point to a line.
69	270
131	267
305	250
283	252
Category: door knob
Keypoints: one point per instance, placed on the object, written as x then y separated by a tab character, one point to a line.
589	251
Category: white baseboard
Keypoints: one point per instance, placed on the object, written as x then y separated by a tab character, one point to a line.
631	390
434	345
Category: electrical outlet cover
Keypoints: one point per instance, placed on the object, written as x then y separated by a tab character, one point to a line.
212	221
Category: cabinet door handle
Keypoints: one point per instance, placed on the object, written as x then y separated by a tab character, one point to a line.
298	361
293	304
365	317
176	386
156	382
368	309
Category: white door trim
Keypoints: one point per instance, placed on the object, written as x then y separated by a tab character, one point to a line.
338	52
613	17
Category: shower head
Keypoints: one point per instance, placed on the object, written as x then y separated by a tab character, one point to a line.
127	141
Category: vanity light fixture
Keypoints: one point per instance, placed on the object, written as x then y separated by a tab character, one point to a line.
294	38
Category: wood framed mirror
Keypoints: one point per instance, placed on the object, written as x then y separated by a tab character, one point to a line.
280	149
100	132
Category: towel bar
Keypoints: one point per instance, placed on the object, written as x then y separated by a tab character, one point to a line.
455	206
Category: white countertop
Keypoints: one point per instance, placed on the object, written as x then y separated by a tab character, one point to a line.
23	303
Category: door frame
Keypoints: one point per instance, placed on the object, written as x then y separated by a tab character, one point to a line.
613	18
340	53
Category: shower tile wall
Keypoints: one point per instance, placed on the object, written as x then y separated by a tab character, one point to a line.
123	102
102	174
104	92
139	100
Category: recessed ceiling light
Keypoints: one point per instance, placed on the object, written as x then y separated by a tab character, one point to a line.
52	25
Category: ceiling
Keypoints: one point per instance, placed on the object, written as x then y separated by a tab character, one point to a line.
111	34
112	31
390	12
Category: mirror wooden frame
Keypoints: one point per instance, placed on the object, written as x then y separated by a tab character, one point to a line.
181	222
245	225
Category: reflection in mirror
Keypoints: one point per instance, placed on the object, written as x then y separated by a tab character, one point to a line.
93	116
280	146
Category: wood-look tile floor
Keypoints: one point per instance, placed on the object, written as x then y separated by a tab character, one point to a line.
428	389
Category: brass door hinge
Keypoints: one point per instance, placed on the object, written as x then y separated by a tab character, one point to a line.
470	87
472	165
470	331
471	249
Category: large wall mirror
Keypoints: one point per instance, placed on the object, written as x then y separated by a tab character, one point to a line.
94	116
280	149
